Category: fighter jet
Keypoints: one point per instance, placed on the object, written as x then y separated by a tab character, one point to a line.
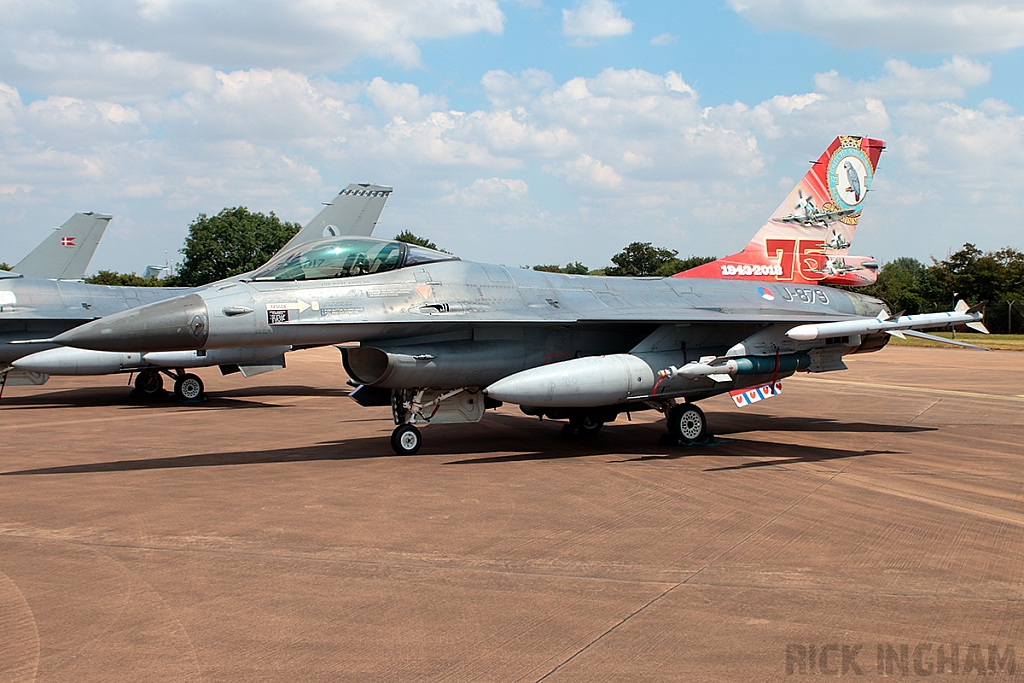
67	251
33	310
439	339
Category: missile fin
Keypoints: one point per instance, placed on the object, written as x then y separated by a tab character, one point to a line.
721	378
979	326
978	308
896	333
933	337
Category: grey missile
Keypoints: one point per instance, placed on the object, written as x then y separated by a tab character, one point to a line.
963	314
578	383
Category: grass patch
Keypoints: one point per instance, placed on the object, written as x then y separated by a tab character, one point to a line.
1003	342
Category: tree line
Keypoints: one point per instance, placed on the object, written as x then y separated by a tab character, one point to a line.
971	274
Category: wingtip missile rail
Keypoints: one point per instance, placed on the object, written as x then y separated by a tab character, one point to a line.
962	315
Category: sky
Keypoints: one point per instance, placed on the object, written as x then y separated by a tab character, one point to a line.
521	132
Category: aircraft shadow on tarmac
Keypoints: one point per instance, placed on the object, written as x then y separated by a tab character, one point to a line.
120	397
512	439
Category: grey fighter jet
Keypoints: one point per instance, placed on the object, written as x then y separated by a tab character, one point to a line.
34	310
67	251
440	339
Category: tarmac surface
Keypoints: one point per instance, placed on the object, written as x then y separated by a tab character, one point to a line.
862	522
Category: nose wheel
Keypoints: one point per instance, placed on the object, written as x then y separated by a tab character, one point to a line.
406	440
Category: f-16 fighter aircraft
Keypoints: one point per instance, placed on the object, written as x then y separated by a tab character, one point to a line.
32	310
440	339
807	239
66	252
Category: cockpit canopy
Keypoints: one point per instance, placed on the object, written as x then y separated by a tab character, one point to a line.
346	257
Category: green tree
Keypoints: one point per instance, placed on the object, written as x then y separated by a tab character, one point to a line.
901	284
677	265
112	277
234	241
4	265
409	238
641	259
970	274
574	268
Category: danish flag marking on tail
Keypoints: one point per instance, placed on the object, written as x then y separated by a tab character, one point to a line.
67	241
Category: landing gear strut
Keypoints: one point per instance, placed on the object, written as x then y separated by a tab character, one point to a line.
431	406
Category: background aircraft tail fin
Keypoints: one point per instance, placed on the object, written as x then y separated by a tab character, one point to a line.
65	254
807	239
353	212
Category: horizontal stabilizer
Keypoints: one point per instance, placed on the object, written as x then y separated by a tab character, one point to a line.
936	338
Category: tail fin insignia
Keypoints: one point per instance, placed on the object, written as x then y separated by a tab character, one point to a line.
807	239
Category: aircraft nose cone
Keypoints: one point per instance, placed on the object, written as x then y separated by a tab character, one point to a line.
178	324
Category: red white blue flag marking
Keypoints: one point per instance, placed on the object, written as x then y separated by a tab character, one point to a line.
744	397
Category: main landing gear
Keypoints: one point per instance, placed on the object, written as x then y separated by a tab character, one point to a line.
687	424
149	384
583	424
188	388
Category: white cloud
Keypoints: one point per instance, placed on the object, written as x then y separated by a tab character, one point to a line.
490	192
586	170
664	39
595	19
902	81
402	99
142	49
919	25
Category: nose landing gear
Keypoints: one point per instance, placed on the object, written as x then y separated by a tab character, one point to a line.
406	440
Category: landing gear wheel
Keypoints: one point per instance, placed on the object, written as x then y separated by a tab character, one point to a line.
149	383
586	424
406	440
189	388
687	423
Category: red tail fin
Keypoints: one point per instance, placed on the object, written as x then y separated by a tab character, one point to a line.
807	239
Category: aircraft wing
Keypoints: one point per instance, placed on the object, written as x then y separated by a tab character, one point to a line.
66	253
